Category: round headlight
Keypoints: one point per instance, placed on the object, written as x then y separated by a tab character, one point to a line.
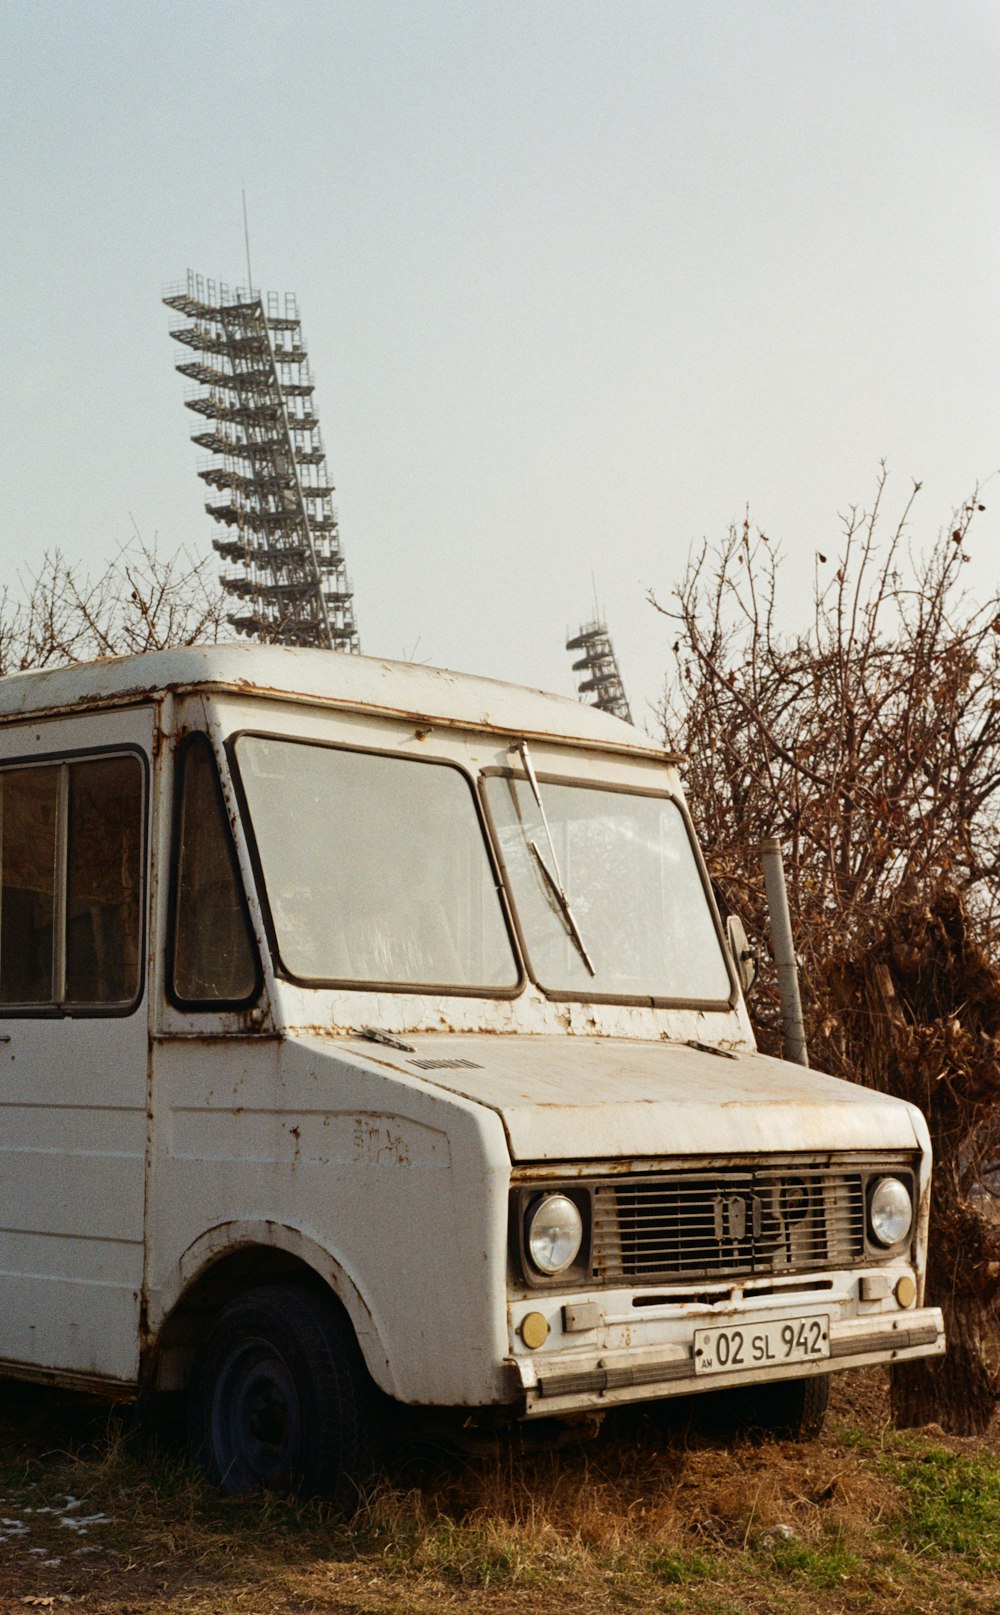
890	1211
555	1233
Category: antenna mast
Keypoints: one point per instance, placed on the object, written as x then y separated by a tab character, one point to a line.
246	240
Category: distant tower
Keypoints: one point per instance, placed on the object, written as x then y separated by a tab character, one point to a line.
278	530
599	667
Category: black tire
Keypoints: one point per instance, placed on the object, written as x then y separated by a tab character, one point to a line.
281	1400
789	1410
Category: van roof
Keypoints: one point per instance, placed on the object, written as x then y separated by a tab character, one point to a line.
329	678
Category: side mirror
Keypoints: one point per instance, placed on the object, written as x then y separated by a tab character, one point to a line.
744	958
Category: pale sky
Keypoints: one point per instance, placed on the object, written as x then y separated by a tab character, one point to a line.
579	282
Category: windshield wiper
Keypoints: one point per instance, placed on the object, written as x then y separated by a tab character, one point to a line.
553	879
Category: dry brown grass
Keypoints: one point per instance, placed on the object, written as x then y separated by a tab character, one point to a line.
654	1515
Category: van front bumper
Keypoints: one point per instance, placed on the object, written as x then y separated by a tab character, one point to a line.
575	1381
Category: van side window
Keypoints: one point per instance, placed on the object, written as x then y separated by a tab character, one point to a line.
214	957
71	883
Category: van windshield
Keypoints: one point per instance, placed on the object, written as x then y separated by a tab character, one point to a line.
629	871
376	868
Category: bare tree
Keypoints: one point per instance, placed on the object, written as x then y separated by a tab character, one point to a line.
141	601
869	742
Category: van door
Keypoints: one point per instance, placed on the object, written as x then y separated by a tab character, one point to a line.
74	858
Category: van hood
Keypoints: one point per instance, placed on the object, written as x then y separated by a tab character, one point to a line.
575	1098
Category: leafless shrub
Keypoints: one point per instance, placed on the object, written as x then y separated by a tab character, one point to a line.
141	601
869	743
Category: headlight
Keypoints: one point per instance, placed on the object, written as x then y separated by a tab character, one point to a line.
890	1211
554	1233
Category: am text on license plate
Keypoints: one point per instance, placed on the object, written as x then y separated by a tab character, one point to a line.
761	1345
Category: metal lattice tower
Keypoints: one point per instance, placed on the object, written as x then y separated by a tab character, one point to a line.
277	527
599	666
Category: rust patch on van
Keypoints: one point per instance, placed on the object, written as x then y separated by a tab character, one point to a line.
377	1144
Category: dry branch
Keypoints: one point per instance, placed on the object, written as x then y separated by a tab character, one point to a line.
869	742
141	601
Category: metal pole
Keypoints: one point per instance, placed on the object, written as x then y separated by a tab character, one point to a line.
792	1025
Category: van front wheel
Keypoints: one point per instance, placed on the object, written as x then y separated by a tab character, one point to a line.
281	1401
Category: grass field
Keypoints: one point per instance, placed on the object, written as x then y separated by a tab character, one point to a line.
653	1515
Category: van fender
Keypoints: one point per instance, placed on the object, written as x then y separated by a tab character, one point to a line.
227	1238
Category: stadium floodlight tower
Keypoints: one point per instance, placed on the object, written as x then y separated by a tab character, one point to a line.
599	667
277	529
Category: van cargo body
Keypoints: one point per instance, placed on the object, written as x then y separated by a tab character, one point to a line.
368	1015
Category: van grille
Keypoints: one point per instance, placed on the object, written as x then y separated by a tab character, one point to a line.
699	1224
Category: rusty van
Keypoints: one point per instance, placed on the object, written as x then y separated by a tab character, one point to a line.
369	1035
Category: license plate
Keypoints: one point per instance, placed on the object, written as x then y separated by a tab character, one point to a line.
761	1345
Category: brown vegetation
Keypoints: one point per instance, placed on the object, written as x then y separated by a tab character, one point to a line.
654	1515
139	602
869	743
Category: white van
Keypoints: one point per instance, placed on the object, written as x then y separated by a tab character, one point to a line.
366	1025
